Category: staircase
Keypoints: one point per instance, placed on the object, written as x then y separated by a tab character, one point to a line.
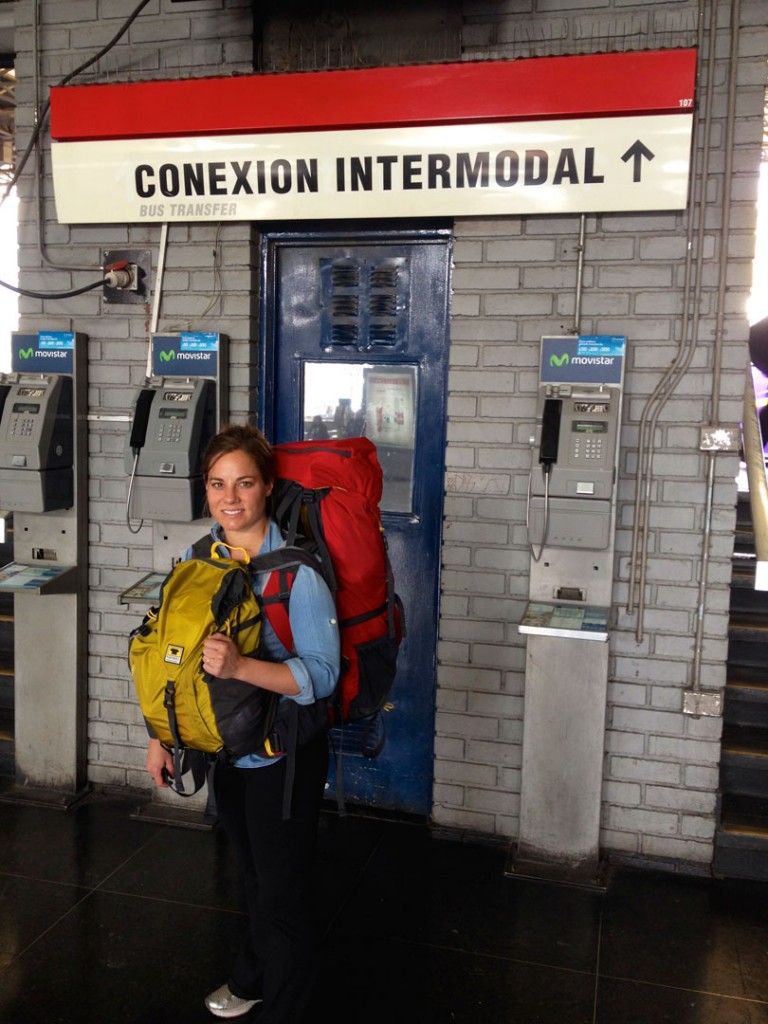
741	840
7	764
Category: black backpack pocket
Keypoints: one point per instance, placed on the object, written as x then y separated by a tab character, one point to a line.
377	661
245	714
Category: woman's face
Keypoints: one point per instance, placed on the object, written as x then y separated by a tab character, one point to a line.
236	492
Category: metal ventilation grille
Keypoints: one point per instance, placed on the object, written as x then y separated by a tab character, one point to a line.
365	304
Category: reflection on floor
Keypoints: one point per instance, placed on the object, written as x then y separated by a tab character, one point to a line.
105	919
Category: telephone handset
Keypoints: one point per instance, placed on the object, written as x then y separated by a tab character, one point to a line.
141	410
550	431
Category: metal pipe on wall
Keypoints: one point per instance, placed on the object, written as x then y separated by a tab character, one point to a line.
733	63
690	334
157	294
579	274
686	347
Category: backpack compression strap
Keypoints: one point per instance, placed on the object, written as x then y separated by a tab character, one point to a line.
183	759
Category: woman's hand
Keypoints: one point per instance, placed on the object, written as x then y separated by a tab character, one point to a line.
158	760
221	657
222	660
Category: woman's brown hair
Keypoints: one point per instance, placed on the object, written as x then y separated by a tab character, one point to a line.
234	438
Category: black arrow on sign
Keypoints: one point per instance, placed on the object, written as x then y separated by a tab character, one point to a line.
636	152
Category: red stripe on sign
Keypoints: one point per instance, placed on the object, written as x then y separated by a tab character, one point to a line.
649	82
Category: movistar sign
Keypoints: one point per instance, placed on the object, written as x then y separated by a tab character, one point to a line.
584	359
189	354
44	352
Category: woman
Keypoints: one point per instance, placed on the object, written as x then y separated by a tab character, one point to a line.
276	964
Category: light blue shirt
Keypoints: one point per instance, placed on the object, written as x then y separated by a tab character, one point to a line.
315	659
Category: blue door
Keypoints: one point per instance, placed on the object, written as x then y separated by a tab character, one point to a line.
355	342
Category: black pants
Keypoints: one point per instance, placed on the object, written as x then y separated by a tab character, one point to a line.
278	959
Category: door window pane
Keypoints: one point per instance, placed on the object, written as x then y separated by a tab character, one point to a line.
367	400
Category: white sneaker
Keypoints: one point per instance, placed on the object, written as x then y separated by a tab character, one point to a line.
224	1003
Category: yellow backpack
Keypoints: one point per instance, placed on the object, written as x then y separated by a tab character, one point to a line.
184	707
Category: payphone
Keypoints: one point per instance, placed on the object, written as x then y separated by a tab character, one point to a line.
171	423
571	528
574	465
44	483
37	444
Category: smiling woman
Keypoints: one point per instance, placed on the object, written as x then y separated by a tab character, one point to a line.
9	272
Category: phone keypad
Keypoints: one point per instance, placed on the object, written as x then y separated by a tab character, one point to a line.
21	427
588	447
169	433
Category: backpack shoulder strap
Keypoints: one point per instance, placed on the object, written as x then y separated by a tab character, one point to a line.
297	513
282	565
202	547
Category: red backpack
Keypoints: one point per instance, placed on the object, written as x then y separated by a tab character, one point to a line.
327	496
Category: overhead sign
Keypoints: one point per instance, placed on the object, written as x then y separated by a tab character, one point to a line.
586	135
603	164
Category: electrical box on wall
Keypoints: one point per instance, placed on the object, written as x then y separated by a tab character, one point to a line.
126	275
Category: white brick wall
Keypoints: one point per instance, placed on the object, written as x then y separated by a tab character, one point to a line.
166	40
514	280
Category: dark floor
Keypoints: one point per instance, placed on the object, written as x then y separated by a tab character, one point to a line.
105	919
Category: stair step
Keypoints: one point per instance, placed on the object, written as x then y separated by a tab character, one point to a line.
741	841
743	563
748	677
7	755
748	649
745	815
6	690
749	623
745	599
740	856
746	697
744	712
744	762
746	741
7	761
741	776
